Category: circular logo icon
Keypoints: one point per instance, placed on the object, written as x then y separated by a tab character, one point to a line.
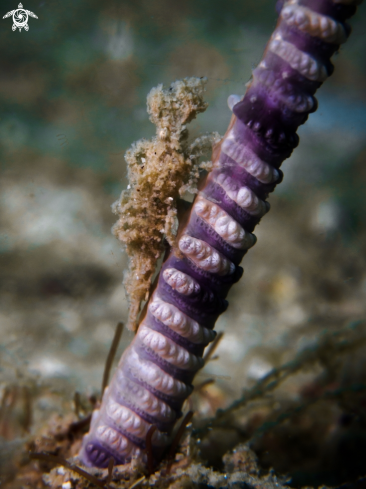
20	19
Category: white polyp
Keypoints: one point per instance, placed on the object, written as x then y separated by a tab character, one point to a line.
314	24
243	196
223	224
181	282
242	155
151	374
122	414
132	423
233	100
167	349
307	66
179	322
142	398
299	102
110	437
205	257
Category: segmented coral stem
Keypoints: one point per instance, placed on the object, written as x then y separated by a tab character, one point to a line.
154	375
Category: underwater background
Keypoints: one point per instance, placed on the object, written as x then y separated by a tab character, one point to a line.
73	99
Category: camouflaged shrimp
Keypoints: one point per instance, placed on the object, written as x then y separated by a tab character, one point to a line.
155	373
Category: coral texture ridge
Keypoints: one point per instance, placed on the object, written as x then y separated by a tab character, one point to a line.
155	373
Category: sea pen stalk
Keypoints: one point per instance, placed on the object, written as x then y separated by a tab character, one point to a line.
154	376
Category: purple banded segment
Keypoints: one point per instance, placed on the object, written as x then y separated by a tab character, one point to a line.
154	376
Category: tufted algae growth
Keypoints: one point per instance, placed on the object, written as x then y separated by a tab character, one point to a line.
159	171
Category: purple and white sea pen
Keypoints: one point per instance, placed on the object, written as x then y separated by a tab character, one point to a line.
155	373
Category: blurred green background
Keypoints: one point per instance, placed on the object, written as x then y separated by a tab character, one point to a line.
73	99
